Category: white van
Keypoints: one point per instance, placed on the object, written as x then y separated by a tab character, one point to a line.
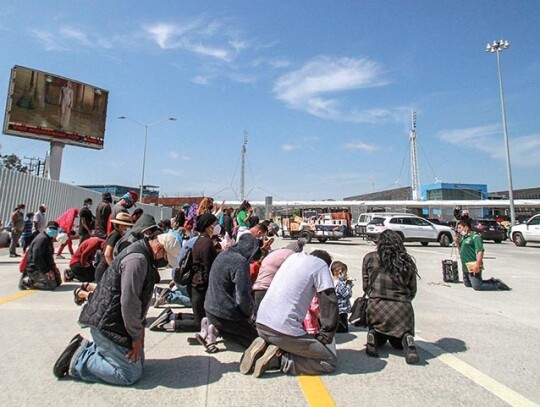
364	218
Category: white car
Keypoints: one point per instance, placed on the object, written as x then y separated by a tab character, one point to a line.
526	232
411	228
364	218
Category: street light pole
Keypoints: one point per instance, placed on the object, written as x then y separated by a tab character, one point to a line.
146	126
497	47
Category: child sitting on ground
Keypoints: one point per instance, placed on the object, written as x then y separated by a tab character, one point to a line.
343	287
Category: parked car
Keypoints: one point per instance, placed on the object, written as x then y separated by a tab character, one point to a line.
526	232
411	228
489	229
364	218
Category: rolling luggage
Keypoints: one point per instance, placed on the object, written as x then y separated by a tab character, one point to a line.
450	269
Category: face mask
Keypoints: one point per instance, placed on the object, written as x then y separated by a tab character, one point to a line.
51	233
21	211
217	230
90	206
162	263
463	234
341	278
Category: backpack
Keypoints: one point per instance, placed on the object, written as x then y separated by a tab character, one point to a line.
183	274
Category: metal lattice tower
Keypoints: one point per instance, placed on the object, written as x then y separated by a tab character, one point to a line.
415	175
243	170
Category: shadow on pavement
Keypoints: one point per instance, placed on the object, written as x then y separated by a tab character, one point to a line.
183	372
444	345
353	361
344	337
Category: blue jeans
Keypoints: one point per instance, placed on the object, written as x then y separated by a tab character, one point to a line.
476	282
105	361
179	296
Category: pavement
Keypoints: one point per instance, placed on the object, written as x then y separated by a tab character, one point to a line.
476	348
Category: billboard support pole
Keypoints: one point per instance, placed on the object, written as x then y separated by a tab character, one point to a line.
55	160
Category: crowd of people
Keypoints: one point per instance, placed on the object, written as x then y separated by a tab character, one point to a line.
283	305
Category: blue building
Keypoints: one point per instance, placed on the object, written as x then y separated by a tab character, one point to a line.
443	191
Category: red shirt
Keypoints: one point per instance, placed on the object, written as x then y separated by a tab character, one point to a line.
86	252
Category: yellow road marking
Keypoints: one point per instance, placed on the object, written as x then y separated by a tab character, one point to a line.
316	392
16	296
494	387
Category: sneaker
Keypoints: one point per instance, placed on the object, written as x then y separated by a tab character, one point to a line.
68	275
162	319
59	256
263	362
161	296
371	348
411	356
61	367
500	285
251	354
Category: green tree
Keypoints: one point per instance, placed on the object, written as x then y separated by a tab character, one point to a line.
12	162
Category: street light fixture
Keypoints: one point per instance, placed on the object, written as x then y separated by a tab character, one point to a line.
146	126
497	47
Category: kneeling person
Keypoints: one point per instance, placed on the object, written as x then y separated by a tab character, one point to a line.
280	316
41	272
116	313
81	265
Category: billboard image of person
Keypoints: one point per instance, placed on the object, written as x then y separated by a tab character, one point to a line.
48	107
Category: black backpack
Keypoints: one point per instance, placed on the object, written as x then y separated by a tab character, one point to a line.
183	274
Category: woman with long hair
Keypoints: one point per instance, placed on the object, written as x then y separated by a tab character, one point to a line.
389	279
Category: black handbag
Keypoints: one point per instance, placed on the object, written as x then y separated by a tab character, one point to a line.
358	315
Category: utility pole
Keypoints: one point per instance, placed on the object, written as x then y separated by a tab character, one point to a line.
415	175
30	164
243	169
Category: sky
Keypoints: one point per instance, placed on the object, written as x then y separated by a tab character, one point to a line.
324	90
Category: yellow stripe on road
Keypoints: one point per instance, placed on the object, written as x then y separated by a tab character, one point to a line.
16	296
315	392
494	387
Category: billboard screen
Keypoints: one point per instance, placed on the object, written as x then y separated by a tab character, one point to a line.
47	107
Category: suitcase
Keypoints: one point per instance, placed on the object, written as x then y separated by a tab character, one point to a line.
450	271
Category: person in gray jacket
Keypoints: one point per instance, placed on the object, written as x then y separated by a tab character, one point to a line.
229	302
116	314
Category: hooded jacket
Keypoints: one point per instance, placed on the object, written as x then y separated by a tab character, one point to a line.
145	222
229	288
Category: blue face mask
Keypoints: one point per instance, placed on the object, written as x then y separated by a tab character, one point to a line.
342	278
52	233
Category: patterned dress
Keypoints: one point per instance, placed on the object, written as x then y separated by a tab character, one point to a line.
389	310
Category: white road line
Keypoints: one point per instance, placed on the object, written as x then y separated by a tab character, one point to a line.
498	389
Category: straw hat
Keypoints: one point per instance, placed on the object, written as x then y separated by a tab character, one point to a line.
122	218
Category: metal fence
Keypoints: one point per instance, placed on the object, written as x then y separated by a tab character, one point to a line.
17	187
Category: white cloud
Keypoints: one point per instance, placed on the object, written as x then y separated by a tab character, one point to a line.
524	150
69	38
49	41
308	88
458	136
289	147
194	37
173	155
361	146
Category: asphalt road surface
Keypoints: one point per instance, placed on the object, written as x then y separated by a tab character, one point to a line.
476	348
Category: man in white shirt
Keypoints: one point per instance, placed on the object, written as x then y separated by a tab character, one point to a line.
280	316
40	219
